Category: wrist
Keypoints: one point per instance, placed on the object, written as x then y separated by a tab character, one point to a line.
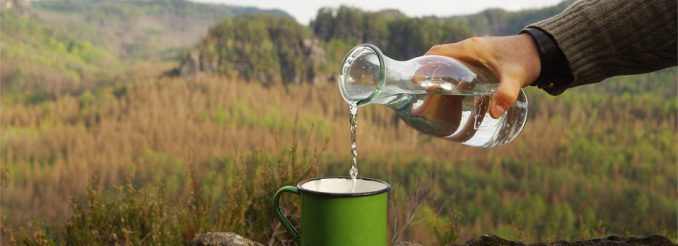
530	56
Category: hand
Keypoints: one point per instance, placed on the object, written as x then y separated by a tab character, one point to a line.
512	59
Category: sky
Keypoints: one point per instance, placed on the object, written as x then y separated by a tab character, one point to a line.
305	10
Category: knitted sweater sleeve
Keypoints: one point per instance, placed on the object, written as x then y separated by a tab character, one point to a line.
604	38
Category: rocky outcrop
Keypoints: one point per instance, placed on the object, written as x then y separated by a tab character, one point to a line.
190	65
231	239
222	239
315	55
262	48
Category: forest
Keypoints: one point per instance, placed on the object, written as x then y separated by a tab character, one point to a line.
114	132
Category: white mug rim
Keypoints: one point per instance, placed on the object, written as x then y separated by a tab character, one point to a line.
344	194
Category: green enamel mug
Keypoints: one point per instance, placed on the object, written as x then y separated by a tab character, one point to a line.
335	213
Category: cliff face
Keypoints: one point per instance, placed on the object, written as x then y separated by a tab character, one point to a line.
196	62
263	48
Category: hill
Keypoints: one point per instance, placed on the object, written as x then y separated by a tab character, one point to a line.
338	30
502	22
288	52
49	48
334	32
264	48
39	62
158	29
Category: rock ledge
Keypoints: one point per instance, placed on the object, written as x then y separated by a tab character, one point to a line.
493	240
222	239
232	239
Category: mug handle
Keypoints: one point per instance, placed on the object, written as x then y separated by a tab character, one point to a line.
276	204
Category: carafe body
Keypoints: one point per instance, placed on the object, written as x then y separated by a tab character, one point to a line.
437	95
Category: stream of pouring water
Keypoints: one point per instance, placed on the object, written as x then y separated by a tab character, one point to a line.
353	110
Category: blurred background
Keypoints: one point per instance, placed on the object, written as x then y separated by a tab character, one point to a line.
147	122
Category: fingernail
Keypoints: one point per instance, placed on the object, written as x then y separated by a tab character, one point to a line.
498	110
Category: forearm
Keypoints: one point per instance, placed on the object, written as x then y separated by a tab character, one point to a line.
604	38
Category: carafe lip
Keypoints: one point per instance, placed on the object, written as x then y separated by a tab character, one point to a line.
380	80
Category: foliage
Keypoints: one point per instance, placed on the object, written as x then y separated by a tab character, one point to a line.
593	179
400	37
134	9
227	49
269	50
502	22
147	215
44	62
178	156
158	29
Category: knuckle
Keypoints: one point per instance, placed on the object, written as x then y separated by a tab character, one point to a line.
436	49
473	41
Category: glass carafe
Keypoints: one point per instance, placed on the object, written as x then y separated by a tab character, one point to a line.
437	95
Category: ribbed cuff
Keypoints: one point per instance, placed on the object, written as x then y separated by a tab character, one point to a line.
555	75
578	38
605	38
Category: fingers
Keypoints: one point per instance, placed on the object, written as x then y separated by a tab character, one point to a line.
504	97
483	52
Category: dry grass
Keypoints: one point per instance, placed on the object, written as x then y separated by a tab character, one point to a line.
154	128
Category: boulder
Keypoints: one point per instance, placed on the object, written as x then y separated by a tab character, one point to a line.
222	239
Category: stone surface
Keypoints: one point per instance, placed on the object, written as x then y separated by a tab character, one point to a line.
232	239
407	244
222	239
655	240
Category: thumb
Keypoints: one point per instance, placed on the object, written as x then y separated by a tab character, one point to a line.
504	97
